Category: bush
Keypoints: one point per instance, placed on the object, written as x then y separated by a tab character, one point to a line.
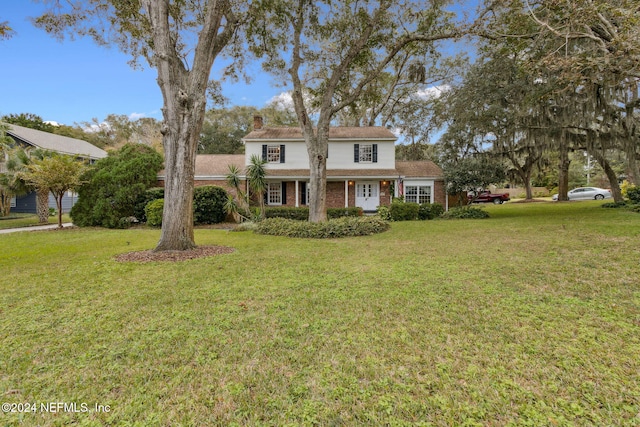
208	204
633	193
384	212
466	212
341	227
113	186
333	213
144	198
615	205
430	211
401	211
302	213
153	212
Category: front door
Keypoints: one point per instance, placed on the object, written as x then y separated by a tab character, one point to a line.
367	196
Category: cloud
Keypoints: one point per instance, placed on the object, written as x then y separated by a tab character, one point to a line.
97	127
433	92
136	116
282	101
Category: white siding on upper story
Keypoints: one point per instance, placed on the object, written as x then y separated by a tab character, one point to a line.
341	155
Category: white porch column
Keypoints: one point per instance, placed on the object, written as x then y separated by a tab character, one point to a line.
297	194
346	193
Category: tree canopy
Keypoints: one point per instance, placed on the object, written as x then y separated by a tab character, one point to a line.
114	184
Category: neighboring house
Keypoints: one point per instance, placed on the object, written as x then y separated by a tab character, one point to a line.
361	168
31	138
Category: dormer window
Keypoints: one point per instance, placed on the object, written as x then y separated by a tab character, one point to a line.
273	153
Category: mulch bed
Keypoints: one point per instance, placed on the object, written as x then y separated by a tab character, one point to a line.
173	256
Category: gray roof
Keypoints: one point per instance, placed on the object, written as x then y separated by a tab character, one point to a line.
338	132
58	143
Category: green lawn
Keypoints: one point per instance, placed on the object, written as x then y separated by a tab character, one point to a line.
28	220
531	318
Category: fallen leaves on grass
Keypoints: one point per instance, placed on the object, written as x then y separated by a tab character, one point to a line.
173	256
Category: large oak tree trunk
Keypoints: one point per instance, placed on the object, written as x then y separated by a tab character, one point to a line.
563	168
184	96
616	192
317	180
177	216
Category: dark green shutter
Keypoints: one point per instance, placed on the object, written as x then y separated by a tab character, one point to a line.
264	152
356	153
303	193
284	192
282	154
375	153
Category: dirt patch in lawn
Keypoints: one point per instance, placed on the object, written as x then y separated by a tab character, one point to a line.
174	256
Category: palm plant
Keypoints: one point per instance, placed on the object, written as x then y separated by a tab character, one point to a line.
257	177
13	159
238	205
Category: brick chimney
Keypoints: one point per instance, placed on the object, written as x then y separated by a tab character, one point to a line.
257	122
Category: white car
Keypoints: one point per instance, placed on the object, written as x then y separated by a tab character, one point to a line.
587	193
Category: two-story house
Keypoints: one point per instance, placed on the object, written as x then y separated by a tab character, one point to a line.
361	168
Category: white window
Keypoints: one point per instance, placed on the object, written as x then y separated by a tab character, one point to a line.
13	202
274	193
417	194
366	153
273	153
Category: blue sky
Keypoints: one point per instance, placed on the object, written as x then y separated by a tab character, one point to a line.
75	81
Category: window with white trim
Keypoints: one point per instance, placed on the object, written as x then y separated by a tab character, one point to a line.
417	194
273	153
13	202
274	193
366	153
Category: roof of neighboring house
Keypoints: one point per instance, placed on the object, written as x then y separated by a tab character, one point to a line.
58	143
418	168
339	132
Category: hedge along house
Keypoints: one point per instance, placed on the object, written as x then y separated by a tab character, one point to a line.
31	138
361	168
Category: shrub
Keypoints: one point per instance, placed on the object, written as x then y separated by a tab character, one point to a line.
430	211
633	193
153	212
333	213
615	205
208	204
384	213
341	227
401	211
302	213
113	186
466	212
144	198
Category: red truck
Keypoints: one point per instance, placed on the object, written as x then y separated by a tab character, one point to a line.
488	197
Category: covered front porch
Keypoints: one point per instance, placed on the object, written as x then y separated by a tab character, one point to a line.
366	192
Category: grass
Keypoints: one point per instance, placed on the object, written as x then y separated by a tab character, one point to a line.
28	220
529	318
